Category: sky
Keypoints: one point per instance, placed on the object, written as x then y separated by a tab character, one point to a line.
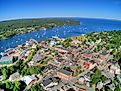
17	9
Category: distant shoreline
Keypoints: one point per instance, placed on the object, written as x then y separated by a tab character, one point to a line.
15	27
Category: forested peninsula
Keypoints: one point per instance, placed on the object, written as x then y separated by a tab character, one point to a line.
14	27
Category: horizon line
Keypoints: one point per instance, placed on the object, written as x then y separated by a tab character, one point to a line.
59	17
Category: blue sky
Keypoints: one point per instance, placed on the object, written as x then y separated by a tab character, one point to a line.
15	9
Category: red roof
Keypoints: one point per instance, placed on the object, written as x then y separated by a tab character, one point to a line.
86	55
86	65
82	89
11	51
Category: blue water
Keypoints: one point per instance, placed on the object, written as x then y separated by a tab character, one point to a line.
86	26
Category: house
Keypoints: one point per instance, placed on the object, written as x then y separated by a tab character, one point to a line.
54	63
61	50
81	80
52	43
99	85
14	76
11	51
31	63
119	77
115	68
48	83
112	86
87	65
64	74
86	55
82	89
87	78
107	81
104	55
6	60
29	79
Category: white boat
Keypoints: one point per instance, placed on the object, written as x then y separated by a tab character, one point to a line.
64	32
55	37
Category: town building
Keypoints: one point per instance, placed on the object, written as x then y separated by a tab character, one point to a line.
46	84
64	74
6	60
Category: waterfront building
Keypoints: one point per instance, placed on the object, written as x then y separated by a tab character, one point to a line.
6	60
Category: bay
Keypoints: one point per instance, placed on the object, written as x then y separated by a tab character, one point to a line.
87	25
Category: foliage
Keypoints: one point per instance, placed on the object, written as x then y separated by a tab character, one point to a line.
96	77
31	70
13	86
5	72
36	87
67	42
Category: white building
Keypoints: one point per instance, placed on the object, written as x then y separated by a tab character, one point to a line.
28	79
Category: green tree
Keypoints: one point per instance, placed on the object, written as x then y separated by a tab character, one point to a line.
5	72
9	85
17	86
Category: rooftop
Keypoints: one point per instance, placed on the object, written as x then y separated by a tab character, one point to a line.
64	72
48	81
6	58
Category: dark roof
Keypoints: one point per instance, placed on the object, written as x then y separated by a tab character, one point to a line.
104	53
65	72
49	80
71	89
46	82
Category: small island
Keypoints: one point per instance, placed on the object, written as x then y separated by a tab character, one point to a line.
13	27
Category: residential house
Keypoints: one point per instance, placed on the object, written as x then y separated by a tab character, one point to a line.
112	86
115	68
107	81
99	85
82	89
86	55
29	79
14	76
81	80
54	63
104	55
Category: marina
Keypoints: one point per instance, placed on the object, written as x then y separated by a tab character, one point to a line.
86	26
